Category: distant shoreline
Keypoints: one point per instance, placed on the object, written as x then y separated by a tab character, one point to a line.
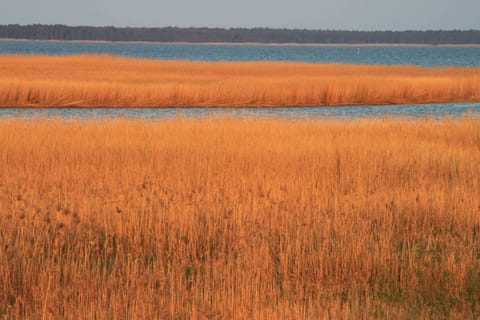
283	44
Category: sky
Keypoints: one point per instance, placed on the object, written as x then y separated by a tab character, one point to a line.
298	14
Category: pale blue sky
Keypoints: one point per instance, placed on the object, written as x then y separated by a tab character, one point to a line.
309	14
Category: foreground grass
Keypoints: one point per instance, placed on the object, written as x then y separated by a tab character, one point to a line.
92	81
239	219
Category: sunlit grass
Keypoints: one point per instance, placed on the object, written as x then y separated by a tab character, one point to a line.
239	219
92	81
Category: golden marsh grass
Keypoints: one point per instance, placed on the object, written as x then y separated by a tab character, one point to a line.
222	218
92	81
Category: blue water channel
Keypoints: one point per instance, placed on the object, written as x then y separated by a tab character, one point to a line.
448	110
402	55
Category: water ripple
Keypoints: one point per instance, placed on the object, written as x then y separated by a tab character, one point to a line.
417	55
345	112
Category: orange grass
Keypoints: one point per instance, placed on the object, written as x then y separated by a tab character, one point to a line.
239	219
92	81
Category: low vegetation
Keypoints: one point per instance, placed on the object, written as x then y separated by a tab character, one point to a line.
93	81
220	218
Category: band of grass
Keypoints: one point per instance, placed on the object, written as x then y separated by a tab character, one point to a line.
109	81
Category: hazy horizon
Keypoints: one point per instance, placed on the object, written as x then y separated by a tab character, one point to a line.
361	15
239	27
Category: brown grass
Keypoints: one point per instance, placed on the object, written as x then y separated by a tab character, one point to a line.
92	81
239	219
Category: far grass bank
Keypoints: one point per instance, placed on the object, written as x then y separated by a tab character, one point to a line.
100	80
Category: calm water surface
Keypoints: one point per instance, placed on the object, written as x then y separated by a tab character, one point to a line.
344	112
416	55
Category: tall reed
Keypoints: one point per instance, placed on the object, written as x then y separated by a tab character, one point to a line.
239	219
92	81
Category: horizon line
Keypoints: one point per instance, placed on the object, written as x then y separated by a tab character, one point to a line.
237	28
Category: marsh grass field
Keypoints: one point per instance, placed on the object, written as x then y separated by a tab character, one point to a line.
110	81
239	218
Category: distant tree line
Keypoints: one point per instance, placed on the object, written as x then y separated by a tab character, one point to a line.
236	35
